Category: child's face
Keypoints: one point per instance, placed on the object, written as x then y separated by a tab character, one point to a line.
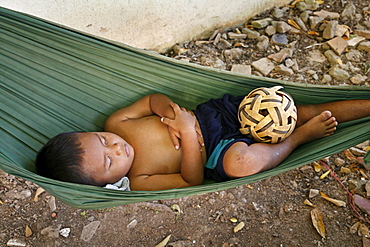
107	157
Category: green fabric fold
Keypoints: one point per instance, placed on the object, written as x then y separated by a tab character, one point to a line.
55	79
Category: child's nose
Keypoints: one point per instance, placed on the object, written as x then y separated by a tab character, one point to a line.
117	149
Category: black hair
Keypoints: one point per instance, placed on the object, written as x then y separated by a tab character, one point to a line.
61	159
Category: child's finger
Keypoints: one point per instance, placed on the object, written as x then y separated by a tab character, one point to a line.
175	106
166	121
175	140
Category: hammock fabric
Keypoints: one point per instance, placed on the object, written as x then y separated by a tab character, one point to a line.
55	79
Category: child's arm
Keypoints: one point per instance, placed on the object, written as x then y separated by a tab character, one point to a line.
153	104
158	104
192	169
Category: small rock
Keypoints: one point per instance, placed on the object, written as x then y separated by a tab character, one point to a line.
51	203
354	184
345	170
278	12
15	242
301	6
279	39
332	57
354	55
339	162
364	46
280	56
232	35
264	65
326	14
132	224
357	151
283	70
270	30
226	43
338	45
326	78
363	33
329	30
263	43
312	4
340	30
315	56
349	11
65	232
282	27
240	68
362	203
358	79
233	54
89	230
313	193
304	16
355	41
289	63
51	231
315	21
250	33
261	23
338	73
20	195
306	169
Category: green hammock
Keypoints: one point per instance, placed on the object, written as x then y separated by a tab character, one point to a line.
54	79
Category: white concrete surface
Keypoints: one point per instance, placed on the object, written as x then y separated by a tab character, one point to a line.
148	24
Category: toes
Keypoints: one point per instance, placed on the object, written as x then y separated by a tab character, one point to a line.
325	115
331	123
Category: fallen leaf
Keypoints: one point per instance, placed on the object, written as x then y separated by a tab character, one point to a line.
234	220
249	187
354	228
363	230
325	174
349	155
239	227
164	241
339	61
294	24
308	203
363	174
319	1
313	33
339	203
28	232
39	191
317	167
318	223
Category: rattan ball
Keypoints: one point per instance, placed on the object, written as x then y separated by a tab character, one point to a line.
267	115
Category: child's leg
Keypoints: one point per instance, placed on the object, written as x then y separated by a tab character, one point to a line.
314	122
343	111
241	160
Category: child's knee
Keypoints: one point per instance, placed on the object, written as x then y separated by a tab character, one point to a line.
239	161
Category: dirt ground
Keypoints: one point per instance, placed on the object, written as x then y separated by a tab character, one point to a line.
270	212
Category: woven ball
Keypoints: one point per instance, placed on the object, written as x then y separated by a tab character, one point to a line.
267	115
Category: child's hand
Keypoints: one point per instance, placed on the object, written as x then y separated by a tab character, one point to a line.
183	123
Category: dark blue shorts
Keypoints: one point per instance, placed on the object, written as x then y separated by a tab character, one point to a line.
218	119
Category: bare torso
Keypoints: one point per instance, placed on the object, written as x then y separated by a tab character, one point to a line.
154	150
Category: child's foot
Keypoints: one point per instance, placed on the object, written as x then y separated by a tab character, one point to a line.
317	127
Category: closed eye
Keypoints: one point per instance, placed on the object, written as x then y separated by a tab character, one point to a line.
109	161
104	141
